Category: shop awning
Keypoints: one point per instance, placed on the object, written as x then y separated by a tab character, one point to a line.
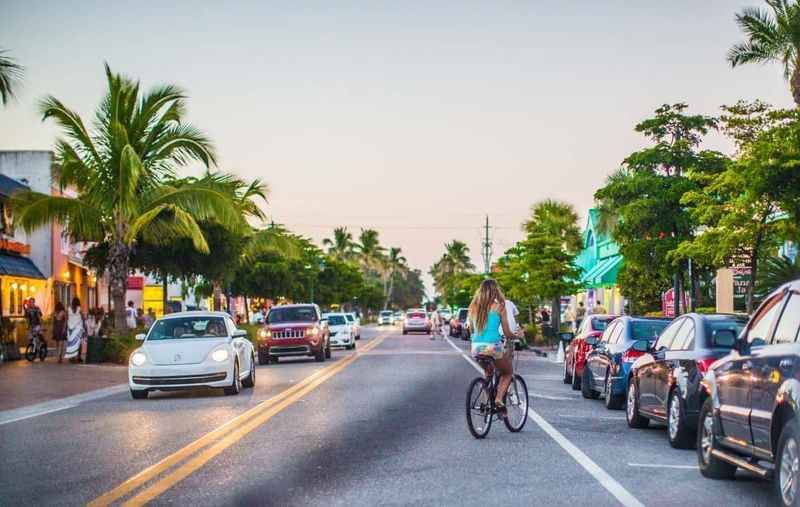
603	273
17	265
9	186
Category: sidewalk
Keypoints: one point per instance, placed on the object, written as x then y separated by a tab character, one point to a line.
23	383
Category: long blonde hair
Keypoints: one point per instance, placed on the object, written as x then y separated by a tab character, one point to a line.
487	294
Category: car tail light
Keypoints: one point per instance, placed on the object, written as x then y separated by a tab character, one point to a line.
631	355
704	364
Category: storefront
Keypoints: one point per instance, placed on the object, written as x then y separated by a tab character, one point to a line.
600	262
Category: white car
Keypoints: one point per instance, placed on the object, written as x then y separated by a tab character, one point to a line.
192	349
386	318
355	324
341	332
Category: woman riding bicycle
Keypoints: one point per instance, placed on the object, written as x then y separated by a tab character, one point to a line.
487	314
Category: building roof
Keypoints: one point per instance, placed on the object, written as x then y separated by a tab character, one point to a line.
17	265
9	185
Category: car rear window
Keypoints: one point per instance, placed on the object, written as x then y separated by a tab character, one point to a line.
294	314
601	324
188	327
648	330
416	315
736	325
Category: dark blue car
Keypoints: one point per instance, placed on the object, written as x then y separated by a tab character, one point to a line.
608	364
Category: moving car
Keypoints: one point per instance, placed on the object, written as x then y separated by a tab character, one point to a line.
340	331
664	384
416	321
399	316
386	318
576	349
608	365
458	324
445	314
293	330
192	349
750	400
355	324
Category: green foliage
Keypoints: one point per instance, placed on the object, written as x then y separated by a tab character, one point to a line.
450	272
776	271
119	347
10	76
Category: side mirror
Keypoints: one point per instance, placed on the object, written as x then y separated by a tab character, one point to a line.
641	346
566	336
141	336
724	338
239	333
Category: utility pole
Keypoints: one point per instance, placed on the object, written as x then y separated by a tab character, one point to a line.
486	249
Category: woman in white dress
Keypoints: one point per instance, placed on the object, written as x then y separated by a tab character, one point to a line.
76	329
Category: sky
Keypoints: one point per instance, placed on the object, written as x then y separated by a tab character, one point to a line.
418	119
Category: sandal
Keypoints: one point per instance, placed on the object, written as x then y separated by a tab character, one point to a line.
500	408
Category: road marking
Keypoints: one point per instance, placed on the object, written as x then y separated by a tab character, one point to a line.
554	398
609	483
653	465
609	417
48	407
221	438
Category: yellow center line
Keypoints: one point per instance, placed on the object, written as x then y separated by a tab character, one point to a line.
232	431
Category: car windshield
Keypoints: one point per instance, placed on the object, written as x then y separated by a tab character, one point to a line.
292	314
736	325
336	320
462	314
350	318
386	314
188	327
648	329
601	324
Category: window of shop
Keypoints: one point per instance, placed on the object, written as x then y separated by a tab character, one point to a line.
63	293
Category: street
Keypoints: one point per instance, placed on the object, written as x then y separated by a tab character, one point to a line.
382	425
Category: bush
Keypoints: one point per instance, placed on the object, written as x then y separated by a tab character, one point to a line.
706	310
252	332
118	348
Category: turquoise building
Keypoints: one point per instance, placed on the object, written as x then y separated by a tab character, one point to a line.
600	262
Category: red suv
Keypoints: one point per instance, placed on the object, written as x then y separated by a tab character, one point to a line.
575	355
293	330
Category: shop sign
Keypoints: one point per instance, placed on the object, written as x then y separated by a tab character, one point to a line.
135	282
14	246
668	303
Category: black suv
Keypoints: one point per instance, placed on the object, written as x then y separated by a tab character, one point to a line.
751	398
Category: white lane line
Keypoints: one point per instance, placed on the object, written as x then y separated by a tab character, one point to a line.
609	417
554	398
654	465
48	407
609	483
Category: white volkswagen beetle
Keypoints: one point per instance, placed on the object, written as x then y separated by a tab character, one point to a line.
192	349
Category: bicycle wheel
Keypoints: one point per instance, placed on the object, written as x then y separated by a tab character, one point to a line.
42	351
479	408
516	404
30	352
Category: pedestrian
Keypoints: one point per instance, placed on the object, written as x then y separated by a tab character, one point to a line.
76	330
436	322
100	319
33	315
139	317
130	316
545	315
60	329
149	318
580	313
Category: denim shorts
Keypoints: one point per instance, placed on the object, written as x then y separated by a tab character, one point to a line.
495	350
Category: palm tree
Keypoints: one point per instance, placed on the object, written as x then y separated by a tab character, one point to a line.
776	271
771	37
557	219
123	171
395	262
370	251
458	254
10	75
341	247
455	261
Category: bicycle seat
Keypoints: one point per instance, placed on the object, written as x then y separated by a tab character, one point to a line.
484	360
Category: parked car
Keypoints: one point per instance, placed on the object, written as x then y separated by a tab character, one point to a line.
664	383
445	314
458	324
751	397
386	318
291	331
399	316
340	330
608	365
576	349
192	349
355	324
416	321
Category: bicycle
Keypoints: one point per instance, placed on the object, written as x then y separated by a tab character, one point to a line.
37	347
481	409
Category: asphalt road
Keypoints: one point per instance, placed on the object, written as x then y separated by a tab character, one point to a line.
382	426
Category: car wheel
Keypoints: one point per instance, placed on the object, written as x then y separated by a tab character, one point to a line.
236	382
405	332
250	381
137	394
632	410
680	436
613	401
567	378
320	356
328	351
710	466
787	465
263	357
576	380
586	385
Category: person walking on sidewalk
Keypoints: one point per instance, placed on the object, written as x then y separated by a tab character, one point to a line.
60	329
130	316
76	329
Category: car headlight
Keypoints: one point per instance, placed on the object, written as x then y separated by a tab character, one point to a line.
138	358
264	333
314	331
219	355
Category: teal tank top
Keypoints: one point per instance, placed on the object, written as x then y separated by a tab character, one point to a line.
491	333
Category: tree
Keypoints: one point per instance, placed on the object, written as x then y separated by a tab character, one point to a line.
771	37
341	247
123	173
640	204
451	270
370	253
393	263
776	271
10	76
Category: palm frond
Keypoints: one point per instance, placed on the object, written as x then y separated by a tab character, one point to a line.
774	272
72	125
271	240
181	143
10	76
164	224
32	210
203	202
